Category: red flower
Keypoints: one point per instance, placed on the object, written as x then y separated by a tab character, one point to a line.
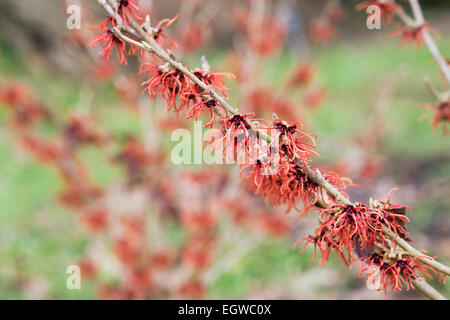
335	11
340	183
88	268
193	289
128	251
126	9
237	121
259	100
273	224
302	76
269	39
325	246
103	71
346	228
139	282
397	273
296	187
241	142
80	131
291	140
441	114
215	80
408	34
198	220
171	84
358	222
285	109
346	224
26	112
314	98
14	94
95	219
287	184
265	38
29	113
43	150
388	8
110	292
259	180
168	124
108	41
76	198
262	100
204	103
161	260
198	251
158	34
193	36
322	31
136	159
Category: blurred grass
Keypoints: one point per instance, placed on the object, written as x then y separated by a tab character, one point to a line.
39	239
352	72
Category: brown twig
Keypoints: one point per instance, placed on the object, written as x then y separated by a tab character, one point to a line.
419	20
428	290
428	39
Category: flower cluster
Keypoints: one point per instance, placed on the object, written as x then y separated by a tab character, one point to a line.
80	130
356	232
180	93
261	100
126	9
397	273
349	225
323	28
25	111
441	114
265	37
302	75
108	40
412	33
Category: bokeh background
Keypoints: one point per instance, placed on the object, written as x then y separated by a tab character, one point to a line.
368	119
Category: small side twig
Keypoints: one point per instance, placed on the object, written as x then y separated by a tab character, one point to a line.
428	39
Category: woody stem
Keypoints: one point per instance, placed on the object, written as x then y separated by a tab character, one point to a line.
428	39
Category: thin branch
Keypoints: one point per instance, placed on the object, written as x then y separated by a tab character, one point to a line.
428	39
405	18
416	253
432	89
428	290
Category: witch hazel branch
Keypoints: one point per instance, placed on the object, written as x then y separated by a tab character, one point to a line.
416	29
374	234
